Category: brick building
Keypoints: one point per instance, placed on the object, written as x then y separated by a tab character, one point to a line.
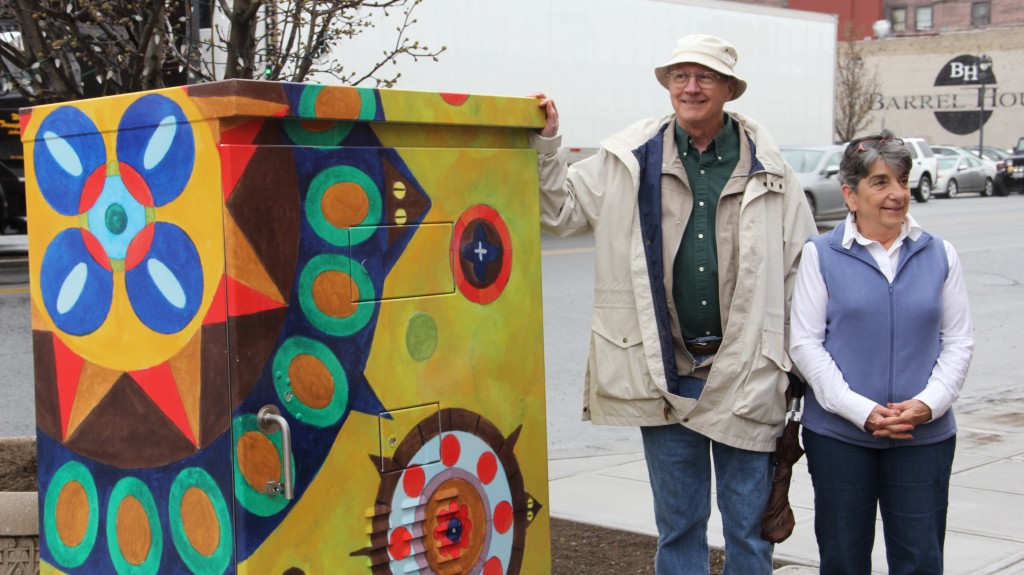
916	17
951	71
910	17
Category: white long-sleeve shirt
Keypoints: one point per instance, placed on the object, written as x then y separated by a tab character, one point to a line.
808	321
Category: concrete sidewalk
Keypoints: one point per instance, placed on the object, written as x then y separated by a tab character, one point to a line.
985	534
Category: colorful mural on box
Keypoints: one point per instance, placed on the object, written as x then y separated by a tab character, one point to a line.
209	251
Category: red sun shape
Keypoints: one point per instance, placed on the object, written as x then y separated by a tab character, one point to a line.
454	99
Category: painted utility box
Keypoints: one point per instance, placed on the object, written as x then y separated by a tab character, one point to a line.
286	329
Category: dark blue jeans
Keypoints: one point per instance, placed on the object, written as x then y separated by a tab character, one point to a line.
909	483
679	464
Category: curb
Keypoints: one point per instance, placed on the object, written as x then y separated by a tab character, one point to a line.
19	532
19	514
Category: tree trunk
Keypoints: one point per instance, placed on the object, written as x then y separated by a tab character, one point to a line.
38	48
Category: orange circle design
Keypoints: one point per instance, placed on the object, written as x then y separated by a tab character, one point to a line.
199	521
72	514
258	460
335	294
133	536
311	381
345	204
344	103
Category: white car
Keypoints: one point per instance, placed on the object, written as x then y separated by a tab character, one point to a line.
923	170
964	173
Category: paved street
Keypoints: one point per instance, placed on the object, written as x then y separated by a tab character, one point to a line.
16	393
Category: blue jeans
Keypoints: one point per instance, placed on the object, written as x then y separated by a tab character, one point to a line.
909	483
678	462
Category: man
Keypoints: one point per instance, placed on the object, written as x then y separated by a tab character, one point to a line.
698	225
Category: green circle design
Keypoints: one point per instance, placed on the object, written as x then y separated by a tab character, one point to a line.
314	207
339	326
67	556
321	417
116	219
303	137
368	99
421	336
256	502
137	489
332	137
196	561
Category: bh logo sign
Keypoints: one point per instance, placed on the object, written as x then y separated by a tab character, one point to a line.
972	73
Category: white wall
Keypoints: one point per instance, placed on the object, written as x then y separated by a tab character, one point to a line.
596	58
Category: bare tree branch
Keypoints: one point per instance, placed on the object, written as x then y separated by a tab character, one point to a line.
856	86
71	49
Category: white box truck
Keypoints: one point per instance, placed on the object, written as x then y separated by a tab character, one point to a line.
597	58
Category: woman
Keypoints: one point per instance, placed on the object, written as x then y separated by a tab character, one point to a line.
881	330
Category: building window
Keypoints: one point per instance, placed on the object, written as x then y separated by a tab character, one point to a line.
980	14
204	10
899	19
923	18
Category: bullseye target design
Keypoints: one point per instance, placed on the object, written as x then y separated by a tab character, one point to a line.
334	292
355	103
134	534
466	513
200	522
257	461
71	514
310	381
481	254
343	205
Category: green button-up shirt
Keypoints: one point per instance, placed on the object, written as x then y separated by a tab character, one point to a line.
695	270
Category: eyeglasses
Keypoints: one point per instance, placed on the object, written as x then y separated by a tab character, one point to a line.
704	79
863	145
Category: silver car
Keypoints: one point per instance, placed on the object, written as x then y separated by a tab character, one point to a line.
958	174
816	167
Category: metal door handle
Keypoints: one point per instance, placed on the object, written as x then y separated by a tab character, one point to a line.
270	420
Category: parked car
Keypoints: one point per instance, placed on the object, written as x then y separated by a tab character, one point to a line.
923	170
948	150
1015	169
817	168
991	152
997	156
964	173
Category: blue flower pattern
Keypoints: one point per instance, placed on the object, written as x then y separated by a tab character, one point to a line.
116	201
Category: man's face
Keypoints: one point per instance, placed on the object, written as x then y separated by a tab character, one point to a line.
699	104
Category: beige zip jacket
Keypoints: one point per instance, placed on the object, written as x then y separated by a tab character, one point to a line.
762	223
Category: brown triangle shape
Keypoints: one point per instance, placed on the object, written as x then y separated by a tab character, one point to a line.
127	430
244	265
265	207
413	202
251	341
187	370
215	404
47	398
93	385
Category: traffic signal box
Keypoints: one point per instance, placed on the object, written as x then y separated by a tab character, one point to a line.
248	291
